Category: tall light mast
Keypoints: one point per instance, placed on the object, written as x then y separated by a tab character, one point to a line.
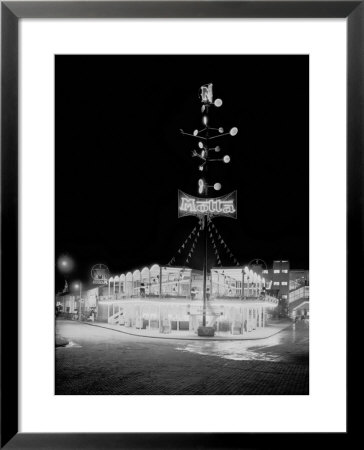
205	136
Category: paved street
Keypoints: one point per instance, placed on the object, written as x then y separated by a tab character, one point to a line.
102	361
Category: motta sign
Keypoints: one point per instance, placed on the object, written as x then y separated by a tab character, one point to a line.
225	206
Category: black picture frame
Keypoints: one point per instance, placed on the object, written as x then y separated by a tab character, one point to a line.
11	12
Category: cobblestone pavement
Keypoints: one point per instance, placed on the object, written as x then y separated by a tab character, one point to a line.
105	362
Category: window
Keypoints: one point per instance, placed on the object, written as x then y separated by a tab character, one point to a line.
265	271
277	271
285	271
284	297
276	283
284	283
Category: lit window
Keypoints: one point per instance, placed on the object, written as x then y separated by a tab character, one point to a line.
285	271
284	283
265	271
276	283
284	297
277	271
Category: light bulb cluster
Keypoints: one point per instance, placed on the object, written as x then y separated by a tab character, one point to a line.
206	134
203	186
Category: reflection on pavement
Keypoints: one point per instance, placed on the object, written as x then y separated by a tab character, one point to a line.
70	344
275	348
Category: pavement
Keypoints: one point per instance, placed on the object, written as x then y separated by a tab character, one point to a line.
259	333
100	361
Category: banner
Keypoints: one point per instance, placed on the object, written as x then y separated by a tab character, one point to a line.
225	206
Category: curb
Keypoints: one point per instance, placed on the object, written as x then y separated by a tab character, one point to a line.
188	338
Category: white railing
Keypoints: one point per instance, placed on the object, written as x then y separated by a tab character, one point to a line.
303	292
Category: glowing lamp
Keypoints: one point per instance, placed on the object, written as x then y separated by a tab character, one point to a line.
221	130
217	148
195	133
217	186
65	264
201	186
200	168
234	131
226	158
218	102
204	120
200	144
203	108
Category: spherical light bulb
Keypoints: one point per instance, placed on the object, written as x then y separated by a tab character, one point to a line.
200	168
203	108
217	148
226	158
218	102
200	144
195	133
221	130
234	131
204	120
217	186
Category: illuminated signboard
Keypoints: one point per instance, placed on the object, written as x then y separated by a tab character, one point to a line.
225	206
100	274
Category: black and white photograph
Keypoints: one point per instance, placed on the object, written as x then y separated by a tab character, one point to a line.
182	224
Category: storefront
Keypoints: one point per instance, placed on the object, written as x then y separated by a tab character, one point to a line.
170	315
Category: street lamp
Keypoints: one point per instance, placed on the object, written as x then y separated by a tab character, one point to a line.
65	264
79	286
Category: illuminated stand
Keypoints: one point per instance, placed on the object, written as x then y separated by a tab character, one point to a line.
172	299
207	208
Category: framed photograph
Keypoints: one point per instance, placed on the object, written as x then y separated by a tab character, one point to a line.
179	179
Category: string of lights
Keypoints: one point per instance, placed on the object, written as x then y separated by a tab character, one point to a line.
214	246
195	232
224	245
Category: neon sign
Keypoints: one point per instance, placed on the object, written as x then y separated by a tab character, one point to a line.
100	274
189	205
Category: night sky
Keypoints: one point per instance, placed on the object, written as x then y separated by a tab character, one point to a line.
120	158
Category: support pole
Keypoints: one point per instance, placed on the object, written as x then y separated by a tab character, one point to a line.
204	271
